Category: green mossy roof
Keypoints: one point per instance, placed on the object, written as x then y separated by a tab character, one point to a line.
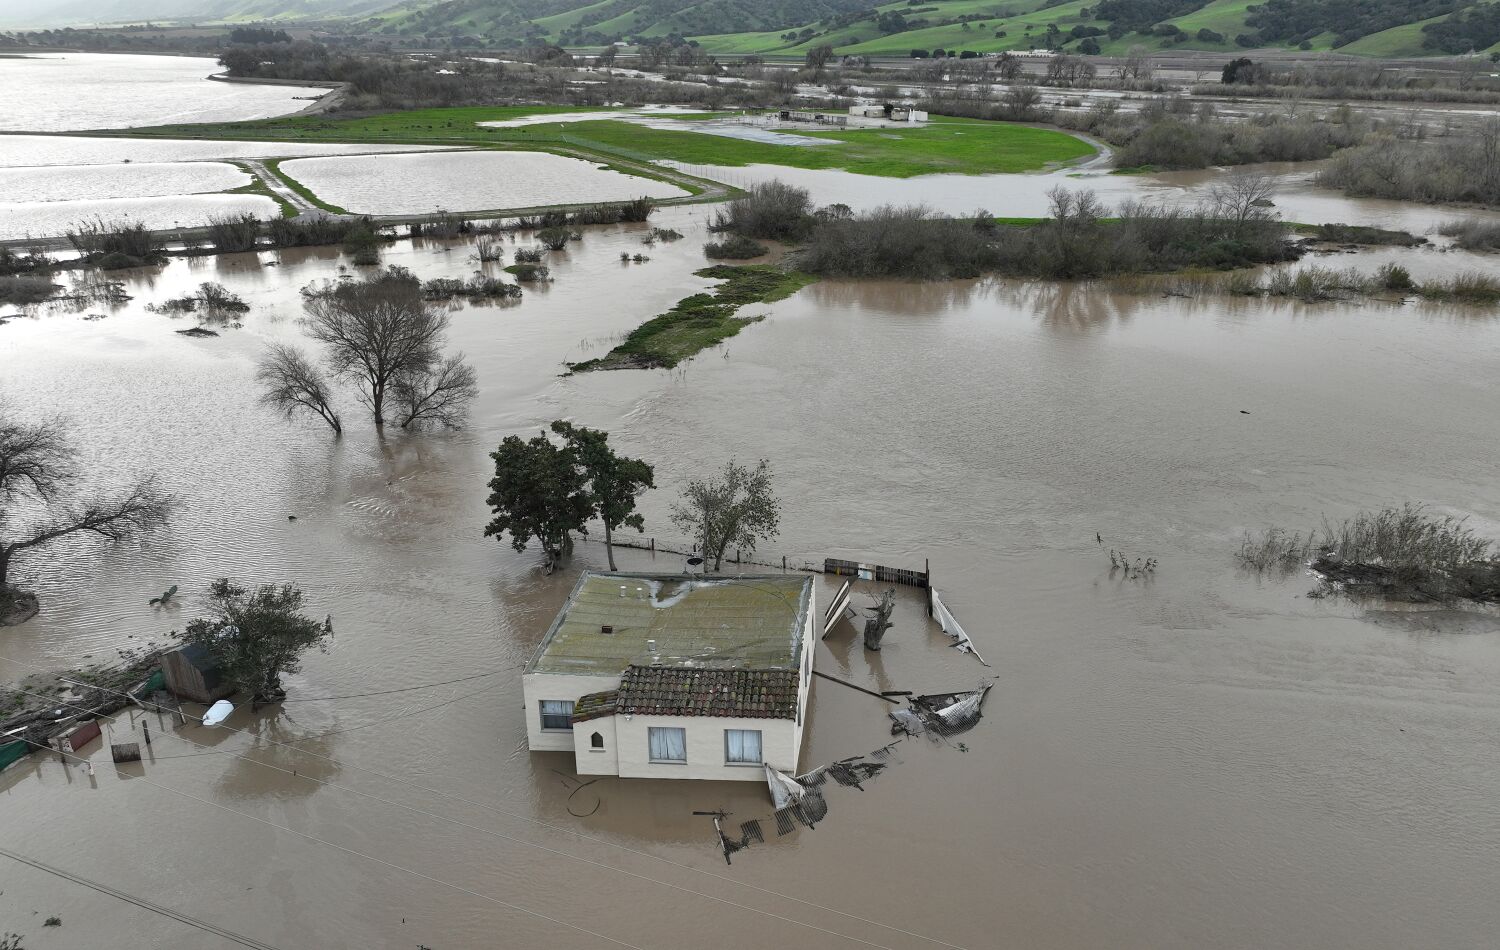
740	622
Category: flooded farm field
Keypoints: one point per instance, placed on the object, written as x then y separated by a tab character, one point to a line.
57	92
1202	759
144	180
466	181
35	219
19	150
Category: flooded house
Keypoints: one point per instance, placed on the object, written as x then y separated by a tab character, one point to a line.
672	676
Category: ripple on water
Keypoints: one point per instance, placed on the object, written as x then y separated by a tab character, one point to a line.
466	181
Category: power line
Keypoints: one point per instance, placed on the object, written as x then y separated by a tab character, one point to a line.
521	841
331	844
566	830
141	902
404	689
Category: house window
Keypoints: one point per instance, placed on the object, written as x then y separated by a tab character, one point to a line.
668	743
557	714
596	741
742	746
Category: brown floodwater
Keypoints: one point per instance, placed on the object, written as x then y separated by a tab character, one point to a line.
1201	760
69	91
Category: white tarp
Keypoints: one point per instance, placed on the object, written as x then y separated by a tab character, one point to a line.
218	712
950	626
785	790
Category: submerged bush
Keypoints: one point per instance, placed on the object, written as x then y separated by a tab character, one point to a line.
772	211
1458	170
528	272
479	286
1275	548
228	234
116	244
1403	552
26	289
734	248
34	259
1474	235
210	298
554	239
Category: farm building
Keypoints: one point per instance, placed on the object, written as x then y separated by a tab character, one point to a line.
889	111
666	676
191	674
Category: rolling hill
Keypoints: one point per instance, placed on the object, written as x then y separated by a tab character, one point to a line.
791	27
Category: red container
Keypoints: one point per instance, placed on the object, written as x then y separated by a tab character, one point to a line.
79	736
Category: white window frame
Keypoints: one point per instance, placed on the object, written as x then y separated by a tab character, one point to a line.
542	711
760	746
651	730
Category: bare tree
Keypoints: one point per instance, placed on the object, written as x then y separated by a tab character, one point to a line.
818	57
1242	199
294	383
438	394
737	507
1136	66
1020	103
378	330
38	467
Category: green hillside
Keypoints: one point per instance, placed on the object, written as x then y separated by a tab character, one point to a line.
791	27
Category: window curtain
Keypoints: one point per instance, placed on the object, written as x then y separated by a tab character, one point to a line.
557	714
742	745
668	744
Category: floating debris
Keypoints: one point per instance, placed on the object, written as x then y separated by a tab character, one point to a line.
879	620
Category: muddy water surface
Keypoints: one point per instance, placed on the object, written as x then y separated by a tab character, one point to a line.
466	181
56	92
1201	760
1298	198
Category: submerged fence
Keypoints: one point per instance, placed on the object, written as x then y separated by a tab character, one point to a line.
861	570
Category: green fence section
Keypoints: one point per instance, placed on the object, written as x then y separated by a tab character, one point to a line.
157	681
11	751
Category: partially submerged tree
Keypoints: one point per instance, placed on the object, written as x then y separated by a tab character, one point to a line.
257	636
386	338
736	507
539	491
293	383
39	503
439	394
614	482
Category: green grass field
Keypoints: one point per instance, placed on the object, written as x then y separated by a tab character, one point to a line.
1404	40
957	146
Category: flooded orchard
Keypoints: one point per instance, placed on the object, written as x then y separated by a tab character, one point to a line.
1197	759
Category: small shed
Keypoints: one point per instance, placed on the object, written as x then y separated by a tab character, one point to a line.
191	674
77	737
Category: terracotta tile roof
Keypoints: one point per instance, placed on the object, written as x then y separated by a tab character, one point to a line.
595	706
679	691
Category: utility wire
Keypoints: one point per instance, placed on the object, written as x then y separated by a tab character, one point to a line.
404	689
521	841
141	902
324	841
562	829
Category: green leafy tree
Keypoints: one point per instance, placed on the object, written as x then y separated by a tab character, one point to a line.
539	491
256	636
614	482
735	507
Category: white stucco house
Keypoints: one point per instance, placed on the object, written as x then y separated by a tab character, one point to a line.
668	676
